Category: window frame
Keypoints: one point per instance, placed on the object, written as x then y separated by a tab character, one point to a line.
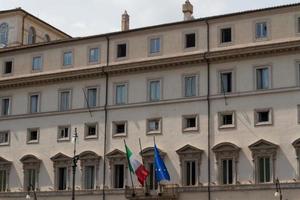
184	34
154	132
86	126
59	99
116	50
89	62
220	28
149	90
297	24
4	66
186	129
65	139
9	107
29	111
233	80
116	84
32	63
158	53
86	97
269	123
31	35
28	141
270	83
8	138
268	23
227	126
114	128
6	32
197	92
297	70
63	58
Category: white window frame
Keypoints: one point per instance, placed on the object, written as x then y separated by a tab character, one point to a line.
184	123
269	67
196	86
114	128
7	143
28	136
233	80
227	126
86	126
220	28
125	83
258	169
268	23
38	103
150	39
9	107
64	139
38	56
153	132
99	55
63	58
256	112
59	99
149	90
184	40
86	97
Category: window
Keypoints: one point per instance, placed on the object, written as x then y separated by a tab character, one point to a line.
262	78
32	136
89	174
190	40
226	35
190	86
5	106
190	123
47	38
31	178
91	96
151	179
4	138
37	63
91	130
94	55
34	103
226	82
4	34
65	100
62	178
68	58
31	168
227	119
64	133
263	117
153	126
154	90
298	24
190	173
3	180
120	128
264	169
119	176
121	50
8	67
121	93
227	171
155	45
261	30
31	36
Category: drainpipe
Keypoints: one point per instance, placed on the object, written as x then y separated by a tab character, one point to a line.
208	113
105	118
23	28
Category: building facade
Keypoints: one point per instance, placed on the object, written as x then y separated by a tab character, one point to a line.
219	94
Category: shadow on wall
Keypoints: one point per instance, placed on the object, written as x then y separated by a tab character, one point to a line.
44	178
14	179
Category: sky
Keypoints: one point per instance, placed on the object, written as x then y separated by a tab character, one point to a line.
90	17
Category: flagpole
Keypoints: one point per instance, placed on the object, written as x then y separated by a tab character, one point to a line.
133	189
146	185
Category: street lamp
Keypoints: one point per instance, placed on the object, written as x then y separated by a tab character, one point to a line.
74	163
31	188
278	192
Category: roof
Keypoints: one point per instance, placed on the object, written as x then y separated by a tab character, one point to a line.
38	19
142	28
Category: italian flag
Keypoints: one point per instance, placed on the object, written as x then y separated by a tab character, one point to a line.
136	167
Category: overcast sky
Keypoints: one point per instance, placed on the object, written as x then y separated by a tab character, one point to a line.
89	17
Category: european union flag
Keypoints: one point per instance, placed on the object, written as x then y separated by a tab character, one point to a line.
161	172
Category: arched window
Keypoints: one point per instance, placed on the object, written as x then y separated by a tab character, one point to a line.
4	33
47	38
31	35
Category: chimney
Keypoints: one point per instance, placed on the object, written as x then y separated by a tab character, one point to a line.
187	9
125	21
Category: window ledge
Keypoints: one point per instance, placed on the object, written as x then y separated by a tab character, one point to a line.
90	137
264	124
229	126
33	142
154	133
63	139
119	135
194	129
4	144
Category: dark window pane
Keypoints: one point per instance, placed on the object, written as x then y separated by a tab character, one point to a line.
119	176
227	119
62	178
226	35
190	40
226	82
188	173
120	128
268	169
121	50
8	67
261	170
193	173
191	122
263	116
230	170
224	164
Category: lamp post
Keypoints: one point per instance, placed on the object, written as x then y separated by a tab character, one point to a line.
74	163
278	192
31	188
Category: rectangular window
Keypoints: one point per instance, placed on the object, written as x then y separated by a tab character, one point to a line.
226	35
3	180
263	117
8	67
190	40
62	178
264	169
153	126
298	24
5	106
4	138
64	133
262	78
261	30
34	103
94	55
91	96
190	123
89	174
190	85
118	176
121	50
37	63
121	94
154	90
190	173
65	100
31	177
33	136
226	82
68	58
227	119
120	128
227	171
151	178
91	130
155	44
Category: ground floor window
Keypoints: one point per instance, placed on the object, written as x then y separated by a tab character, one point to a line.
89	175
3	180
151	180
62	178
118	176
227	171
264	169
190	173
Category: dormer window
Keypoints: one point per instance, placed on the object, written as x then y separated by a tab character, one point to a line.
4	34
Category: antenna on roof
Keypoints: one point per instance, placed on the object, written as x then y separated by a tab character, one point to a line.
87	103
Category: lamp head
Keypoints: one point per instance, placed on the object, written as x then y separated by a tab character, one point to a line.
27	196
276	194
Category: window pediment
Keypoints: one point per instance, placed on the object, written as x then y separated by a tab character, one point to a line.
296	144
189	150
116	154
89	155
60	157
226	150
263	147
149	152
27	159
